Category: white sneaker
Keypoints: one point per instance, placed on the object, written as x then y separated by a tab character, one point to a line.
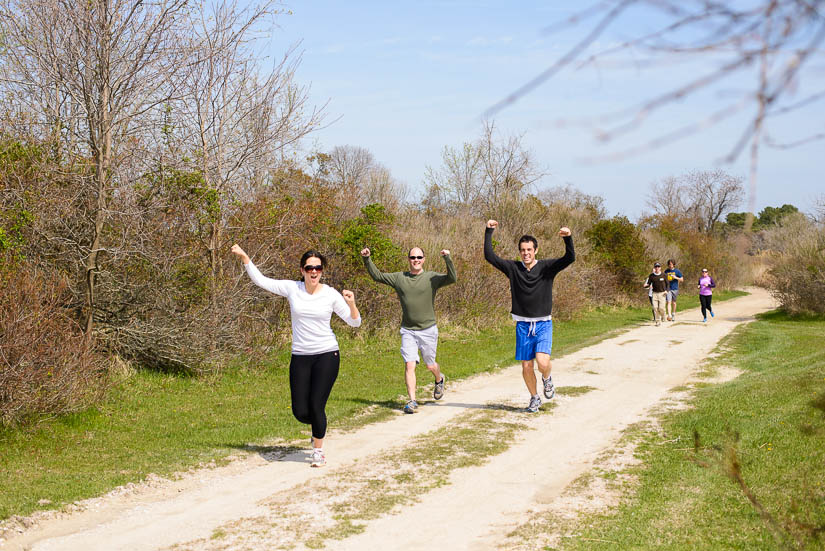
549	388
438	390
318	459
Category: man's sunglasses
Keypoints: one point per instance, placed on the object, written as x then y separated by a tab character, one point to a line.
416	257
318	268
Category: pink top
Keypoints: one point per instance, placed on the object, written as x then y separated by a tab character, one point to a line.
706	285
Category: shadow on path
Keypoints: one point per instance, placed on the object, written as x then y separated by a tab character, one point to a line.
274	454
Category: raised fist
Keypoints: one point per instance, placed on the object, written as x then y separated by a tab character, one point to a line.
492	223
565	232
445	252
365	251
349	296
237	250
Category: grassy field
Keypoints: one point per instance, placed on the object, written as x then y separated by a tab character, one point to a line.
762	433
157	423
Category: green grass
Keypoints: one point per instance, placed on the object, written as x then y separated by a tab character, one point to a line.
771	419
160	423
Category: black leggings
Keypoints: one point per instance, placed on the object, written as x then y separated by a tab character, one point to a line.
310	380
704	300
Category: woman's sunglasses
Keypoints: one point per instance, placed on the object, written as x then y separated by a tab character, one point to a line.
309	268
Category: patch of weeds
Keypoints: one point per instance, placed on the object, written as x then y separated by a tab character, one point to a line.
544	409
628	342
525	536
591	372
581	483
218	533
575	390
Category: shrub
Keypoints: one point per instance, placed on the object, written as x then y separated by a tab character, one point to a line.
701	250
797	275
46	365
617	244
368	230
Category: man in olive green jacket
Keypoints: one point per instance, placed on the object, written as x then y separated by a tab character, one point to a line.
416	291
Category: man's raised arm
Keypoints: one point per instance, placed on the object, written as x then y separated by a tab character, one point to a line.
373	271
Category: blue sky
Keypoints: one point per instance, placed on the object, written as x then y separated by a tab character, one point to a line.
404	79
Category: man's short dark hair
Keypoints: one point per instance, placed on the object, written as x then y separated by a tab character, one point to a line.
526	239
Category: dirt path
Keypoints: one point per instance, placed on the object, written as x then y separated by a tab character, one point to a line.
465	473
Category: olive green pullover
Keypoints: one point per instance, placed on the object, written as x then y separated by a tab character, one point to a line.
416	292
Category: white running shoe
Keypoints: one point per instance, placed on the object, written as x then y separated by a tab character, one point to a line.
438	390
549	388
535	404
318	459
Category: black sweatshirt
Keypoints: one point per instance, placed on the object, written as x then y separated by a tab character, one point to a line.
658	282
531	290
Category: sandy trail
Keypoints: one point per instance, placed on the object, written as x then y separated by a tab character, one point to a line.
475	509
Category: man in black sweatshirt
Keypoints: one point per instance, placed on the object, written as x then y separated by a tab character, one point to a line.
531	291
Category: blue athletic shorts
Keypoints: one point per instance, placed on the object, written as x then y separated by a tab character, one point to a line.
532	337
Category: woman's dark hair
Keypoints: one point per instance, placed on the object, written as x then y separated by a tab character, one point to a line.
528	239
312	253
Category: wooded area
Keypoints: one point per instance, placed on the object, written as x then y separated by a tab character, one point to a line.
140	140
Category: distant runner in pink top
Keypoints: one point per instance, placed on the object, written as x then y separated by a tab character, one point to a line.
706	285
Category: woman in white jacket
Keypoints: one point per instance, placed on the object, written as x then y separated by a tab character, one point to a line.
315	358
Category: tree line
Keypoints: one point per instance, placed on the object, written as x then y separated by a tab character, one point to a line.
139	140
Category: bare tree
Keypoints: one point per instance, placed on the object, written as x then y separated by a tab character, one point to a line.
573	198
360	180
668	197
509	168
232	116
460	175
87	72
349	166
485	175
714	194
382	188
819	210
703	197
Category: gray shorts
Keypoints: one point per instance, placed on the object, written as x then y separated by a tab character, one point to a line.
672	294
425	340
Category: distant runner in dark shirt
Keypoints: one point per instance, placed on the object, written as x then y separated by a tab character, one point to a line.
658	281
